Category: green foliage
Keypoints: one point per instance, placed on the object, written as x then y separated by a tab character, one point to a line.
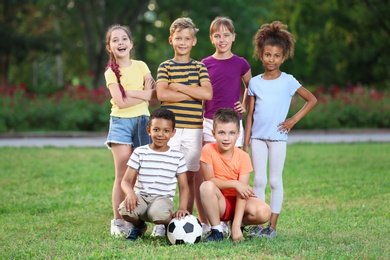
76	109
59	207
345	110
52	42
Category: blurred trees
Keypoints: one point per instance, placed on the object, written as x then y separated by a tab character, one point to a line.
60	42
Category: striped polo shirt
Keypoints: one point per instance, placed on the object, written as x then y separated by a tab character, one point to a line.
188	113
157	171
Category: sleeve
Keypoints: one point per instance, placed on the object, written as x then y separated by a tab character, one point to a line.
110	77
245	163
206	154
250	87
182	167
162	73
294	85
134	161
245	66
203	73
144	68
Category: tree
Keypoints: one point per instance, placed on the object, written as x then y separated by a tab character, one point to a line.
25	28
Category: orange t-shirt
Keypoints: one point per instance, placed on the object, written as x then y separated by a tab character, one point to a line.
227	169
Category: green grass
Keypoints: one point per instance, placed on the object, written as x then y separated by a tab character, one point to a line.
56	203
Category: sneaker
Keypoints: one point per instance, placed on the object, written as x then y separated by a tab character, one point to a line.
137	231
269	232
205	229
255	231
225	228
159	231
120	227
215	235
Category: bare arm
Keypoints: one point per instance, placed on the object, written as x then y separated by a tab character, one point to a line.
311	101
249	122
127	185
243	106
149	91
120	101
204	92
243	189
184	193
166	94
239	211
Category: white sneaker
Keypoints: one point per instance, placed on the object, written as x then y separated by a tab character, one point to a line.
158	231
120	227
205	229
225	228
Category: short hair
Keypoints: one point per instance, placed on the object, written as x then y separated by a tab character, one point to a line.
181	24
163	113
226	115
222	21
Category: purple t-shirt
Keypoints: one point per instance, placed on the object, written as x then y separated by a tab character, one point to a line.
225	77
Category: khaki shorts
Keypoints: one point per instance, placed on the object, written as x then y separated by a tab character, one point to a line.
208	133
150	209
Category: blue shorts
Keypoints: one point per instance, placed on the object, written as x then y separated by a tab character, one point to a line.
130	131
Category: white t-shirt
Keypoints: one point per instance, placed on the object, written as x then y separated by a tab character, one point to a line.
273	98
157	171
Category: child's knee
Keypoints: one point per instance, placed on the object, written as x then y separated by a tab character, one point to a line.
207	187
159	216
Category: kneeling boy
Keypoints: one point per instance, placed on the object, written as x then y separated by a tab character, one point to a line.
157	168
225	193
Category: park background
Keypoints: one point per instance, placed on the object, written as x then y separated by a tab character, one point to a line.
52	56
56	201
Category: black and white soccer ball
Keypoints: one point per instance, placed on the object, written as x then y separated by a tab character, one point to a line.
187	230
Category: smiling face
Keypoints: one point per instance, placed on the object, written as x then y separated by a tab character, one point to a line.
182	41
160	130
272	57
119	44
226	135
222	39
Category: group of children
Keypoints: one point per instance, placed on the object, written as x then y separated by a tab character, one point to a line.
194	139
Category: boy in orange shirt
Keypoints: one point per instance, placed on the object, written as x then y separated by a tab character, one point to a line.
225	193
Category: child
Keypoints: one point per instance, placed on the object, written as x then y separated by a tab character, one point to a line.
270	96
226	71
225	193
129	115
182	84
156	167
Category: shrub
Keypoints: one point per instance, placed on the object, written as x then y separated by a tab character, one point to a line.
80	109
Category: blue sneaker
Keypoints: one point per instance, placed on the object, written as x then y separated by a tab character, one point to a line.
137	231
214	236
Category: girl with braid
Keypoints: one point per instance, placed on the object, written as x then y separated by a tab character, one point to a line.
270	95
131	86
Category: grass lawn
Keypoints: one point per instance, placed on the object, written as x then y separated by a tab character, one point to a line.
56	204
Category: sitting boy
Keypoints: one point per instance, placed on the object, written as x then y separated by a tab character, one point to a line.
156	168
225	193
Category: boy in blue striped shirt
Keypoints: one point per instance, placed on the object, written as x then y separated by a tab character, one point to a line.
182	85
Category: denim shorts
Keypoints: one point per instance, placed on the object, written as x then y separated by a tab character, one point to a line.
131	131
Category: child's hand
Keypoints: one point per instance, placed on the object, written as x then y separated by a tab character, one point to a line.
239	107
181	213
244	190
131	202
285	127
236	234
150	83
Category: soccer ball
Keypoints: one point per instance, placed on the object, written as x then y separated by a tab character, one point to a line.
187	230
